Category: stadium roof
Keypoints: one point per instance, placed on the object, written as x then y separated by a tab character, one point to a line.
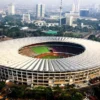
9	56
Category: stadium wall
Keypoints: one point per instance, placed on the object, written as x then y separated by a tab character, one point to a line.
47	78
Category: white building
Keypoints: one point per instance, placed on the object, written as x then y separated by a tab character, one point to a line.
40	23
44	23
40	10
54	17
24	28
97	7
26	18
52	24
83	25
76	6
11	9
1	11
3	14
68	20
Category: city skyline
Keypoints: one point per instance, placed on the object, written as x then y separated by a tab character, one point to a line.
49	2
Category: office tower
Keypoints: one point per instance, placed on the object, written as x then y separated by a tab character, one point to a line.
26	18
76	6
11	9
68	20
40	10
97	8
84	12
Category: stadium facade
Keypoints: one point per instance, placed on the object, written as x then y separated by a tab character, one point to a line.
49	72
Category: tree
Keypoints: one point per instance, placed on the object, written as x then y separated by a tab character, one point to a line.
2	84
65	96
97	91
77	96
17	92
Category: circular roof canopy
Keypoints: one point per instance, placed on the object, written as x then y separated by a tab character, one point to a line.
9	56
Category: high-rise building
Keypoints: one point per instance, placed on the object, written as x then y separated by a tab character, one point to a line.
26	18
97	8
40	10
11	9
84	12
76	6
67	20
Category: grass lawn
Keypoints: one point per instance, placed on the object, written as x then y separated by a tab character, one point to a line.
40	49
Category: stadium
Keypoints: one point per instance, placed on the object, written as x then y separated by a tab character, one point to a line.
49	61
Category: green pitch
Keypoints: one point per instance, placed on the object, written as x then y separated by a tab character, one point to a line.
40	49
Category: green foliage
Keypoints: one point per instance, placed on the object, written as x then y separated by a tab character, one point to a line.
73	35
69	93
94	24
57	88
97	91
31	25
65	96
77	96
2	84
17	92
12	20
92	37
15	32
45	93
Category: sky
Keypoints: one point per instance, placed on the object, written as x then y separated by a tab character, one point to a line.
47	1
2	2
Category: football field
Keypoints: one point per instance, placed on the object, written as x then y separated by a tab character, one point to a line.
40	49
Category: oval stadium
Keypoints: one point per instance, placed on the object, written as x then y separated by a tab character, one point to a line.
49	61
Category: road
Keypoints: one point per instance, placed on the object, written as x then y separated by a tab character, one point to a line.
86	36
